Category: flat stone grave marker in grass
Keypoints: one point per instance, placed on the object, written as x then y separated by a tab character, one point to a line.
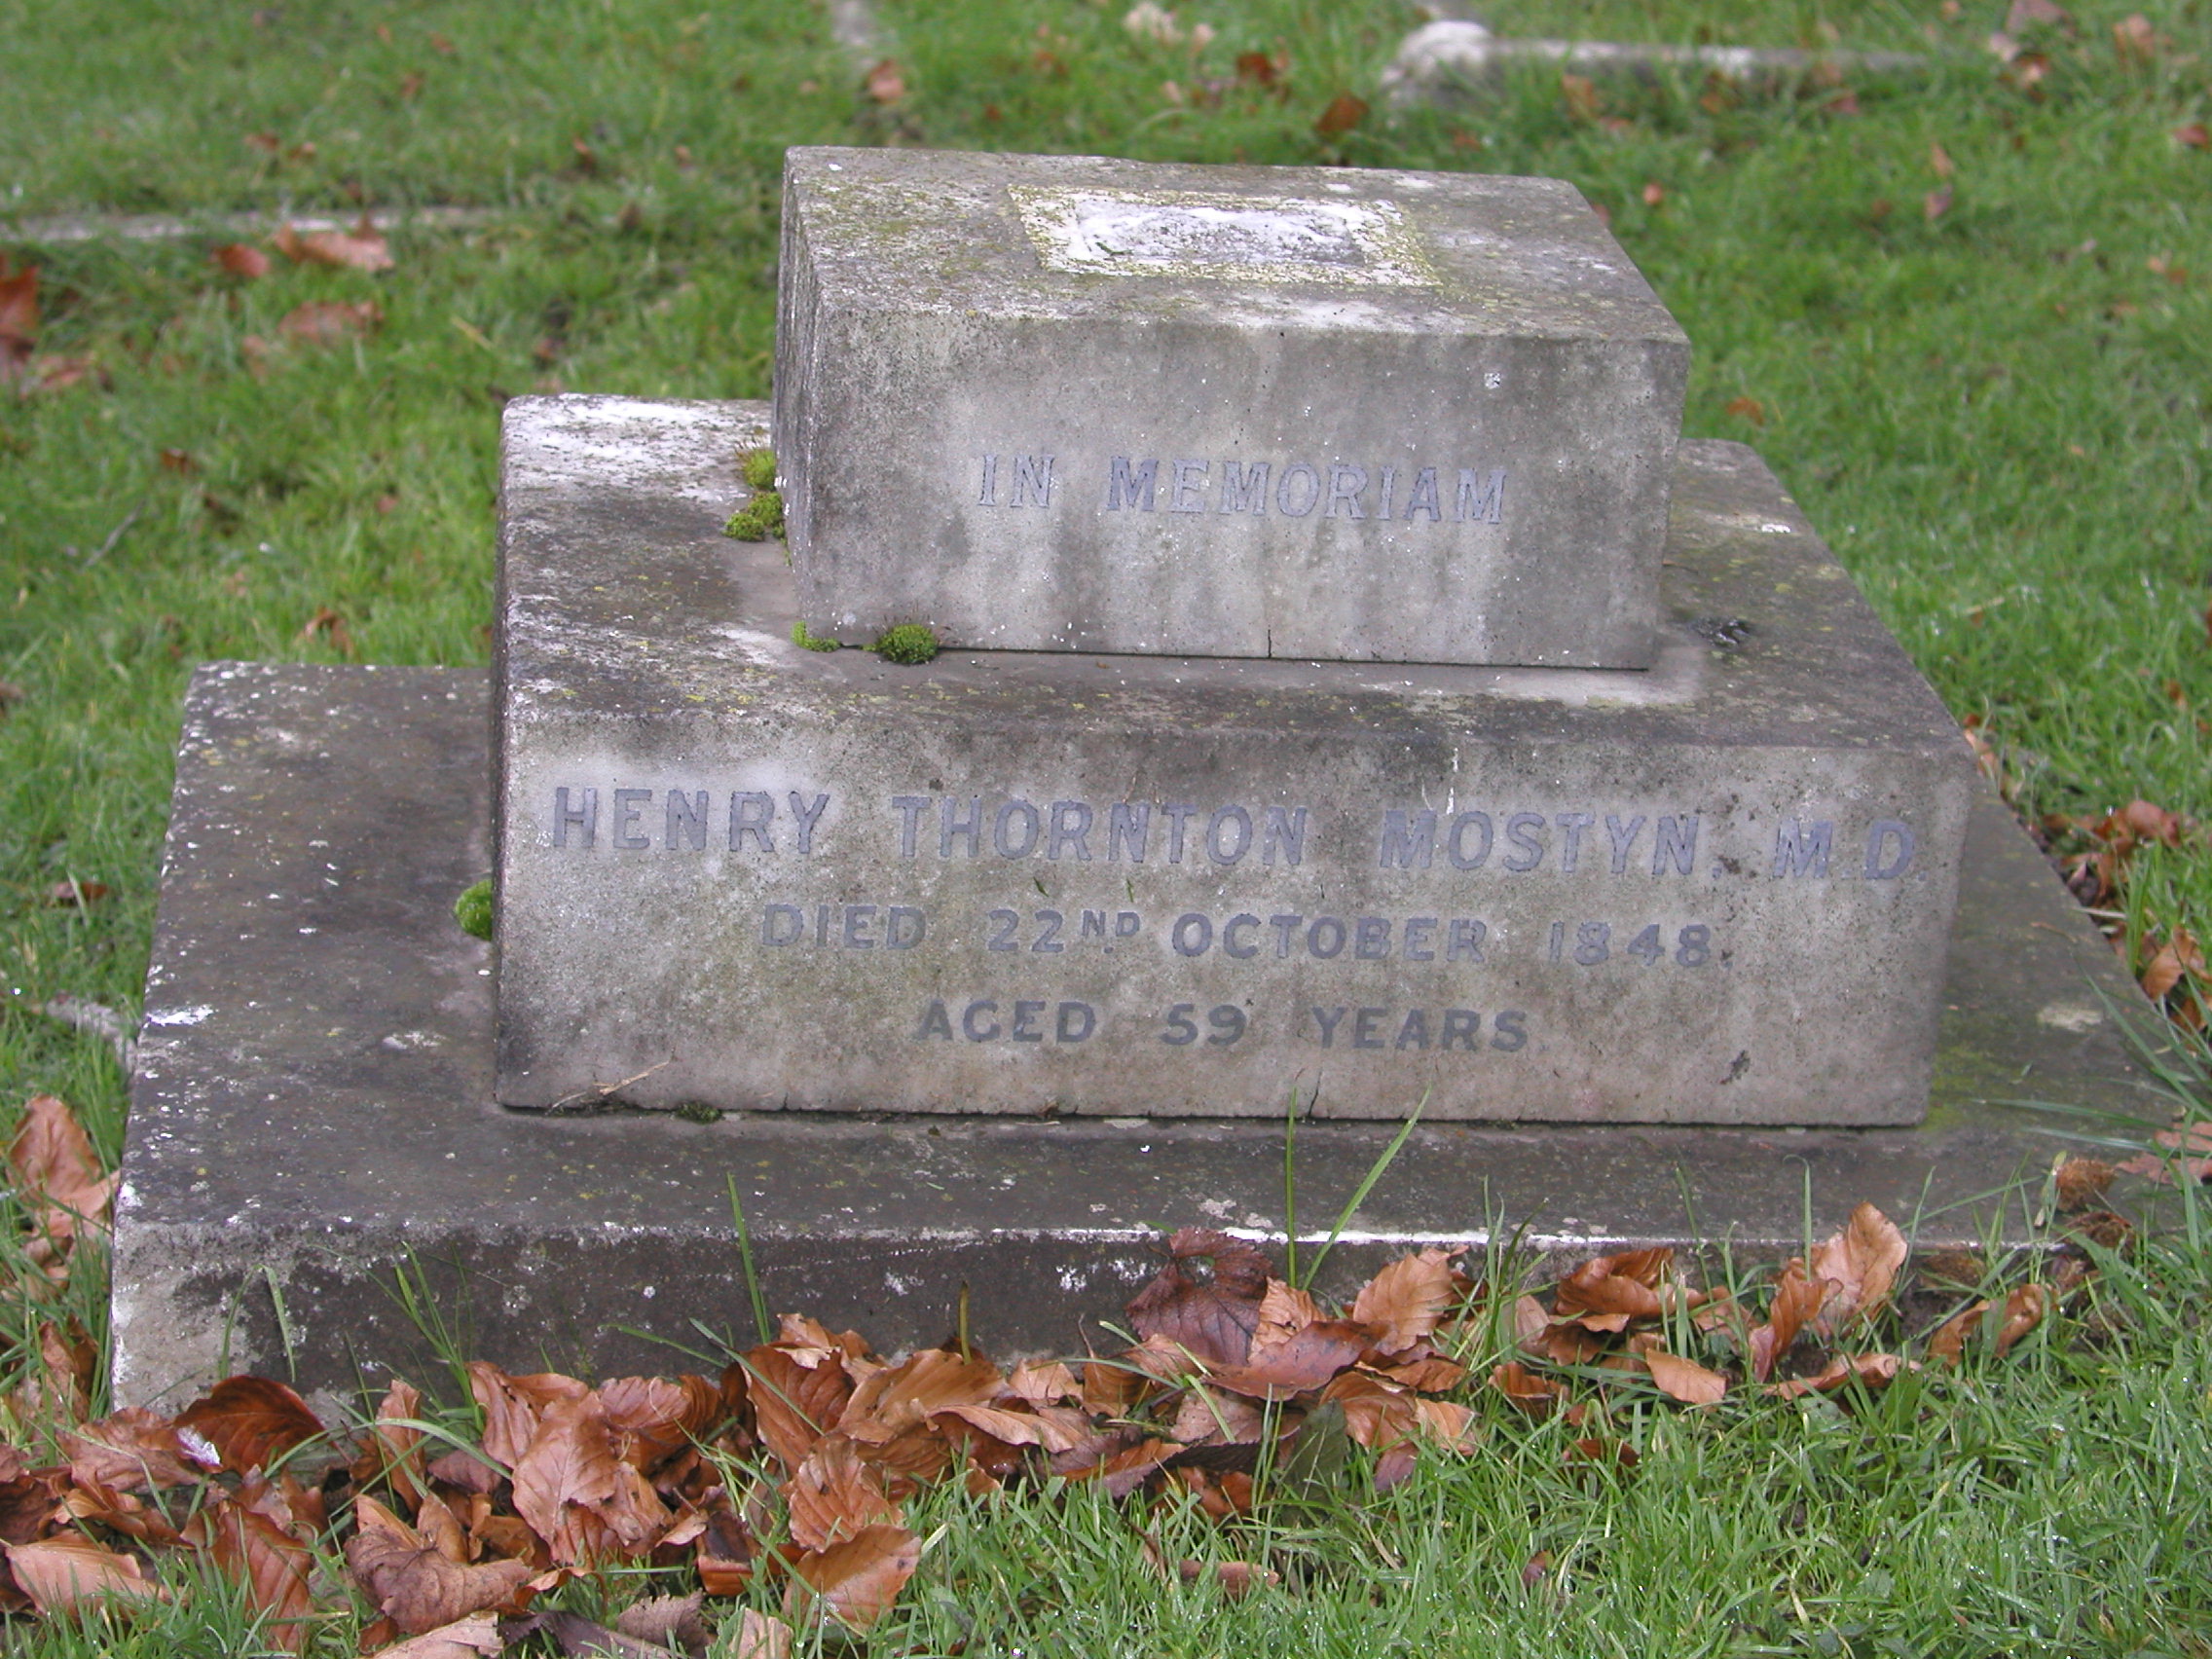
959	971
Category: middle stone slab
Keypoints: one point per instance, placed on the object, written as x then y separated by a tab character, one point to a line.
1065	403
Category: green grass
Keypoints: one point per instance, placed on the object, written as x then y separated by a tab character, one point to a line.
1998	417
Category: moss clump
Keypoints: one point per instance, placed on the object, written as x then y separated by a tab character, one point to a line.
810	641
761	519
909	642
473	909
759	467
698	1112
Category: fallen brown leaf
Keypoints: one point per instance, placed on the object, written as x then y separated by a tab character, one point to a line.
1536	1396
1939	162
1685	1379
1796	1299
586	1504
1581	95
854	1581
794	1405
271	1565
327	623
132	1449
1407	1300
886	83
58	1181
18	317
364	249
250	1419
1654	193
328	322
2136	42
2193	1145
2191	135
405	1576
1860	1265
1874	1370
242	260
671	1621
1214	1320
59	1572
1344	112
1748	409
760	1636
2082	1181
831	1495
476	1637
1936	204
1237	1578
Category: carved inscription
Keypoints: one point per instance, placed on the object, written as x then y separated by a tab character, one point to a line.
1480	873
1351	490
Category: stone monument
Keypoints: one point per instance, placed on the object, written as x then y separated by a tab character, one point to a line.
1355	699
1281	480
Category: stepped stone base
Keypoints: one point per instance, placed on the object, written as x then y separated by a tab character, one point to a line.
313	1114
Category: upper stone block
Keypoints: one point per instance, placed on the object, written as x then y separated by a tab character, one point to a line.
1064	403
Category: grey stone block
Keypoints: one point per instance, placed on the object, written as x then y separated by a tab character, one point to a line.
1456	59
313	1114
1061	403
739	872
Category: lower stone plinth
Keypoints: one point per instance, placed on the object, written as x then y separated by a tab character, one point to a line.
315	1114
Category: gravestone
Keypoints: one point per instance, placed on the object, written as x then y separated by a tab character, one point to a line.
980	962
739	872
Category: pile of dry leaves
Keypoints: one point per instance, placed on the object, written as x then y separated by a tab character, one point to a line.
787	1479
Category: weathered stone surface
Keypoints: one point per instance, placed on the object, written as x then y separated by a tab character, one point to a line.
1454	60
1062	403
314	1113
740	872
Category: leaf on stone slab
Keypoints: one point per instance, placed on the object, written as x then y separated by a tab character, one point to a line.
476	1637
854	1580
2191	1152
1407	1300
1214	1318
1860	1265
250	1421
1685	1379
59	1572
406	1577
